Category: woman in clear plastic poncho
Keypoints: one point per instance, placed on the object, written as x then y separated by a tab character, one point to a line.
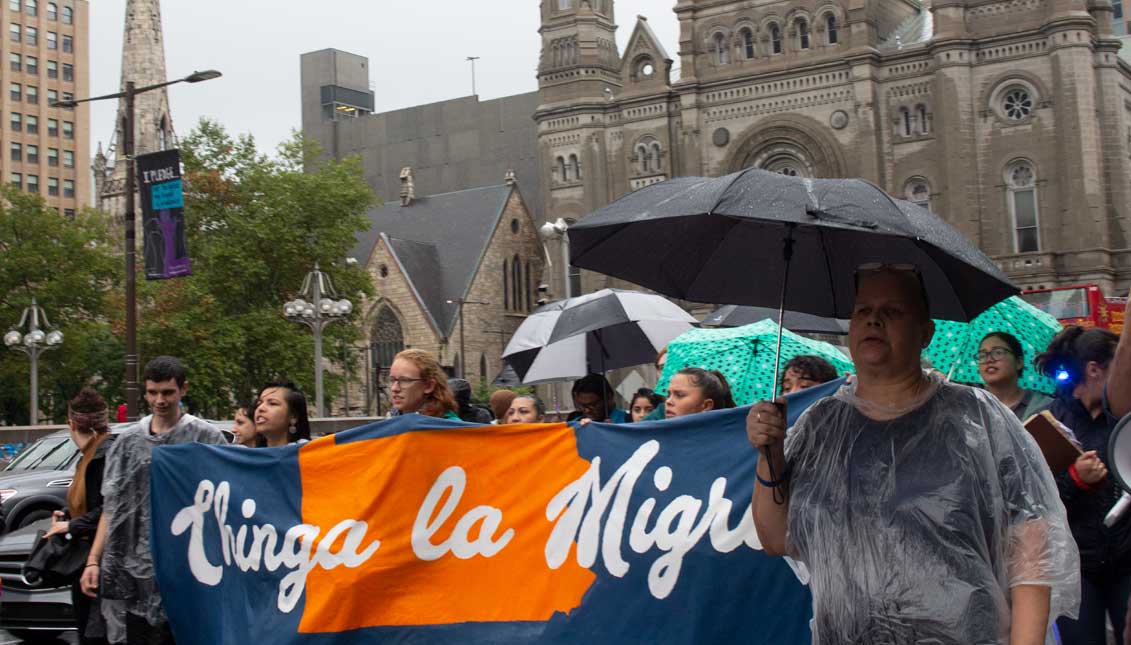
923	510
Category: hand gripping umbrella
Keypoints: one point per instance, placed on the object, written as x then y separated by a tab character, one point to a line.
716	240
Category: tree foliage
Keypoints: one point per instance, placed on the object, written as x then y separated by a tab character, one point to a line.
256	225
69	267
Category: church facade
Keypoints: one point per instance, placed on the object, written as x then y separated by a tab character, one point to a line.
1011	119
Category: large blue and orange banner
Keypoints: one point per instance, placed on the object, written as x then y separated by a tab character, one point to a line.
430	531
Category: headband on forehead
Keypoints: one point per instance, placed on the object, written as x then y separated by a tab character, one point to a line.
91	421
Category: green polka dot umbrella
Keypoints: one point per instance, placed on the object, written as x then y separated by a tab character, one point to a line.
745	355
953	348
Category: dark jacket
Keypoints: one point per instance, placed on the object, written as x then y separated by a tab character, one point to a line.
86	525
1102	549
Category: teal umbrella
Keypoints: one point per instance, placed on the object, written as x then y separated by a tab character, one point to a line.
745	355
952	350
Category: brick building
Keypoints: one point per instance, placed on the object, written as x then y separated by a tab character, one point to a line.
1011	119
427	254
47	149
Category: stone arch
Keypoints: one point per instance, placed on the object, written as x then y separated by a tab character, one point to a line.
992	85
386	333
801	138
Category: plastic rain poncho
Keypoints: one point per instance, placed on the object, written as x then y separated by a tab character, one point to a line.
128	583
915	529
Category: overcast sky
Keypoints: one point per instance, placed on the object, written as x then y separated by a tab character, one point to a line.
416	49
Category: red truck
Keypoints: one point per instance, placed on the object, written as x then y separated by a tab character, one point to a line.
1080	305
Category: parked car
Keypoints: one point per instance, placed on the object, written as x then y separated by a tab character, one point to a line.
30	613
34	484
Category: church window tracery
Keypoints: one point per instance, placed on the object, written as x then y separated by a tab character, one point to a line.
918	191
1017	103
1021	196
388	337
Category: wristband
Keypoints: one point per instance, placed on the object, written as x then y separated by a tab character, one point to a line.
91	564
1080	482
768	484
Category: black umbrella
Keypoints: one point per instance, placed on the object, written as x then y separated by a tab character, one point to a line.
795	321
724	240
734	239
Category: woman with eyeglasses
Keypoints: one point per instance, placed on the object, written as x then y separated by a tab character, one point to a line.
1001	361
417	383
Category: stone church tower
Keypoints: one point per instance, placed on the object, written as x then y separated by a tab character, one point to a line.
143	62
1010	118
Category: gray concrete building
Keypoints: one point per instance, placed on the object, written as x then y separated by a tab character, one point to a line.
451	145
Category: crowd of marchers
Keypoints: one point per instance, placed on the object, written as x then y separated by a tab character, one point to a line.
899	485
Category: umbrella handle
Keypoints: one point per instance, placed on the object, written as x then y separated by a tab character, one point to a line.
787	255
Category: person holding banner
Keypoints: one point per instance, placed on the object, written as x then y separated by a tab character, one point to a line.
280	414
922	509
119	568
693	390
526	408
417	383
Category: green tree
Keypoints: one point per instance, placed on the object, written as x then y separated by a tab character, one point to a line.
256	225
69	267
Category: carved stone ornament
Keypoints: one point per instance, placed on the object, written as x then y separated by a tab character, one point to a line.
721	137
838	120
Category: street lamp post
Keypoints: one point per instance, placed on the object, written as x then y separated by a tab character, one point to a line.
460	302
320	311
33	342
131	91
557	230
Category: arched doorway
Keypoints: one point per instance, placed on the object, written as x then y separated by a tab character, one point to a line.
794	145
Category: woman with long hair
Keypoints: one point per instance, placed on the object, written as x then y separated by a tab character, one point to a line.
1079	359
280	414
243	430
417	383
88	419
693	390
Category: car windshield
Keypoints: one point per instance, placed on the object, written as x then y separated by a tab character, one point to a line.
49	453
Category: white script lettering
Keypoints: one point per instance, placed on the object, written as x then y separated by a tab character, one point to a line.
452	481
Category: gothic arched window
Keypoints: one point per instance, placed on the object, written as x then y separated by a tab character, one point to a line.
722	56
529	291
506	287
388	337
802	33
775	38
831	34
516	283
1021	187
747	36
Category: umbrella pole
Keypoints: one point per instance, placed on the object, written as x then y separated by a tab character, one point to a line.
787	255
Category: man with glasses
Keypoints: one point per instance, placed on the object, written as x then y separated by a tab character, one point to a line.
593	399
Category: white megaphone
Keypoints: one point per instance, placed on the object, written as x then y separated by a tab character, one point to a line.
1119	456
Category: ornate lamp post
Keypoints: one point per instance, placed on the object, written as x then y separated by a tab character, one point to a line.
33	342
316	307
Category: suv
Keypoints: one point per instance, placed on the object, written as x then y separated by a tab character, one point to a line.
35	483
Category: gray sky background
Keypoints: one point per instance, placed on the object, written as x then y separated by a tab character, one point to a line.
416	49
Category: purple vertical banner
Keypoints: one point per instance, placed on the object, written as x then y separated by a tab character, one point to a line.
163	215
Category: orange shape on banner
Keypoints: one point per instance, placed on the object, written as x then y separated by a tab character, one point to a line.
384	482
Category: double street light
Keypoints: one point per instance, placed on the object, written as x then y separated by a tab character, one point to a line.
316	308
131	91
558	230
33	336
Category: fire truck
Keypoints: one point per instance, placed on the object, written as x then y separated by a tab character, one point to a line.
1083	305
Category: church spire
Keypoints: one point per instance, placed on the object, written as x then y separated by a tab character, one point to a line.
143	62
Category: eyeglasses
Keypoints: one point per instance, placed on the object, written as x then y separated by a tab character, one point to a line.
403	382
995	354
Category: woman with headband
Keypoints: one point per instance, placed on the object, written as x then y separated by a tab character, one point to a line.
89	423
